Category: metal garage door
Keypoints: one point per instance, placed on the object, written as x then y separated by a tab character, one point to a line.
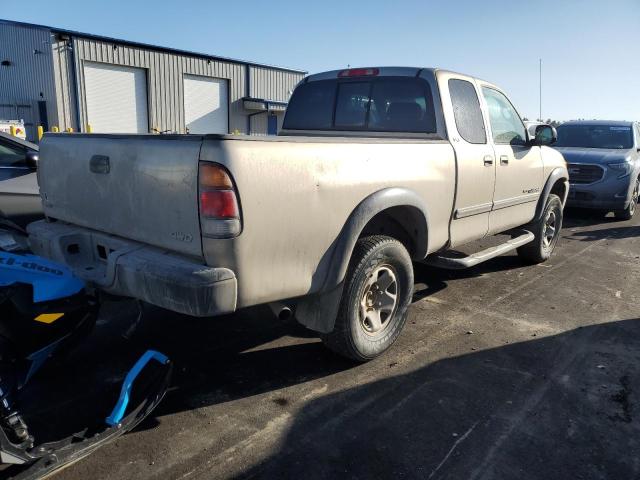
116	98
206	104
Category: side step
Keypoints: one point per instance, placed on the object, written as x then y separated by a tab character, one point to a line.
449	261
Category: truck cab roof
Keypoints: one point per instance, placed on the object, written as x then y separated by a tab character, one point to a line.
388	71
368	71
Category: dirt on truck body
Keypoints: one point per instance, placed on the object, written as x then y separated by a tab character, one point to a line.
375	168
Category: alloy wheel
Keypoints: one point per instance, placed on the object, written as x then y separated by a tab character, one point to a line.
550	229
379	300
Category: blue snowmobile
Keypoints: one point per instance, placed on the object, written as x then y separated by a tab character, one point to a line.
44	312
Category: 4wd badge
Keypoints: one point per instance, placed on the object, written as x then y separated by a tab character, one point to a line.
183	237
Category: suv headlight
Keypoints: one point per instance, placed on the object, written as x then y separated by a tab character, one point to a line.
623	168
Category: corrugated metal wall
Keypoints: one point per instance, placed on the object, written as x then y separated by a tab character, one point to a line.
165	72
55	74
270	84
65	84
29	77
259	123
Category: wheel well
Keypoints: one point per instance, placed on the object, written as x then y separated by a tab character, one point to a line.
404	223
559	188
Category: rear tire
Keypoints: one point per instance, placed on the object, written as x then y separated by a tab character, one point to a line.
546	231
627	213
377	293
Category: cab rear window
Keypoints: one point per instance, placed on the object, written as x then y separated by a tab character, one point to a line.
383	104
311	107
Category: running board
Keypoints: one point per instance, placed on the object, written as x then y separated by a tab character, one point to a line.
442	260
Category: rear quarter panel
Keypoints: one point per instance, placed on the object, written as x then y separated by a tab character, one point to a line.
296	194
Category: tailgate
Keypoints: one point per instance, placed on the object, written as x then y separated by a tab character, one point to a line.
141	187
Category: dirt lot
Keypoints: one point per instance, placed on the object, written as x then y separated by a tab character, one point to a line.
502	372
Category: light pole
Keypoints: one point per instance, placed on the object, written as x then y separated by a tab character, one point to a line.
540	92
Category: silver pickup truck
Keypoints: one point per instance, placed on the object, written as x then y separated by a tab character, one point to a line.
375	168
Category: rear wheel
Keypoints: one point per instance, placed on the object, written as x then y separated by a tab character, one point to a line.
546	231
627	213
377	292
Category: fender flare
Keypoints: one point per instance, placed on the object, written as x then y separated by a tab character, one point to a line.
362	214
318	311
558	174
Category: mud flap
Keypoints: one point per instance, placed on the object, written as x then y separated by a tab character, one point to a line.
318	312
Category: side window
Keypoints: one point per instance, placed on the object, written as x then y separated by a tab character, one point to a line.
506	126
466	111
11	156
401	105
352	105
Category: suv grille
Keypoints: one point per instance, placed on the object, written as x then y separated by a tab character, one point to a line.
583	174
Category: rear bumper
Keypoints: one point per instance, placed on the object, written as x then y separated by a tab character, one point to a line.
126	268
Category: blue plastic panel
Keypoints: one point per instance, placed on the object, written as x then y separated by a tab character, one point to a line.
50	280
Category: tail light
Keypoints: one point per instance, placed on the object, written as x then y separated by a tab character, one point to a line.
219	210
359	72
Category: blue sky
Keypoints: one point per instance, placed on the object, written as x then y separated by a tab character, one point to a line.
590	48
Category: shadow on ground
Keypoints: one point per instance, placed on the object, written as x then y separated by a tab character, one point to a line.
603	227
560	407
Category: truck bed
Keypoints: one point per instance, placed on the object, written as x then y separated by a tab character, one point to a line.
296	194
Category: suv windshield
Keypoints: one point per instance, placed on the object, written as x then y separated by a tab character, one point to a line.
383	104
595	136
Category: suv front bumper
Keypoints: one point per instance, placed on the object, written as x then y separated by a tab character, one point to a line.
609	193
131	269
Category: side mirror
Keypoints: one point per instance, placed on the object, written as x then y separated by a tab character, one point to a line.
544	135
31	159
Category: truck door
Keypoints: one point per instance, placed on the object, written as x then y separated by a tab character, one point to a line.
519	169
475	161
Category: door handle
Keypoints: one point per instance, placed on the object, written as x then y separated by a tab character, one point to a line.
488	160
504	160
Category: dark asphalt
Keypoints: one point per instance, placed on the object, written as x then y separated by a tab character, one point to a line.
504	371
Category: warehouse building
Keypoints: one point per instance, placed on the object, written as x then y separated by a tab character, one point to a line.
70	80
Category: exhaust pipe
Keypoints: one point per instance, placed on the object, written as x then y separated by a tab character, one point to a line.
280	310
